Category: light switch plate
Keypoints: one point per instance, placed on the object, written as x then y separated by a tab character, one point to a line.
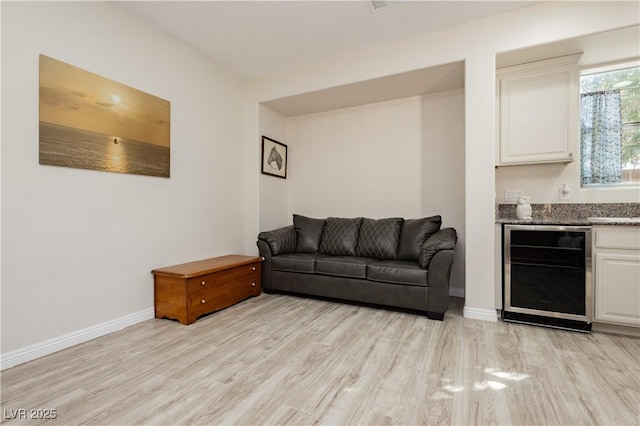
564	195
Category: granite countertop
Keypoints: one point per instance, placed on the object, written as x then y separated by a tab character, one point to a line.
620	214
542	221
622	221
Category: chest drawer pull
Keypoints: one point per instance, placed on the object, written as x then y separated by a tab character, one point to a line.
203	282
202	301
253	268
253	284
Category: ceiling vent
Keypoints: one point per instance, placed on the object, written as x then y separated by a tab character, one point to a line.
378	5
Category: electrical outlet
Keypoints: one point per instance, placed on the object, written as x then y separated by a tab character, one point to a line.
511	195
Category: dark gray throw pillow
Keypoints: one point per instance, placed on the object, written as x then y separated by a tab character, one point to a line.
379	238
444	239
414	233
308	233
340	236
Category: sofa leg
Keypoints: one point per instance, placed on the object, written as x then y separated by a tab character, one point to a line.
438	316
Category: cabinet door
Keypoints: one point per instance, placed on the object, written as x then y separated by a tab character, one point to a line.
538	112
617	287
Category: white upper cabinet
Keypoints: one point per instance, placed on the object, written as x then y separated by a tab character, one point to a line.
538	107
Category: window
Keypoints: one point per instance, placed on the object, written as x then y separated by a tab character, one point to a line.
610	125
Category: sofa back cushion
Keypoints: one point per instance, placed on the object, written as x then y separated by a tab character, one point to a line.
308	233
379	238
340	236
414	233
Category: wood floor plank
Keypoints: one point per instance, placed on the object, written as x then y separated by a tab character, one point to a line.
278	359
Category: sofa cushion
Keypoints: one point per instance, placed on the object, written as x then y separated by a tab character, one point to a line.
282	240
308	233
379	238
343	266
340	236
414	233
445	239
397	272
294	262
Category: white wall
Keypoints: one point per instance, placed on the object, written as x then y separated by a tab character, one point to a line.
443	169
273	203
359	161
542	183
477	43
78	245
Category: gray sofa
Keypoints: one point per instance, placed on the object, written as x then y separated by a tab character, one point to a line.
390	262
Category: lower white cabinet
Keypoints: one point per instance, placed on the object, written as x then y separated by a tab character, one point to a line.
616	269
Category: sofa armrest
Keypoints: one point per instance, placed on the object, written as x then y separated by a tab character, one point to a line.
438	277
265	252
436	256
444	239
282	240
272	243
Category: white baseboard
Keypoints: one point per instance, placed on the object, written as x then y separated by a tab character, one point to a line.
480	314
31	352
456	292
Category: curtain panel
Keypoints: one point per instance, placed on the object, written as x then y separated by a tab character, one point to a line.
601	137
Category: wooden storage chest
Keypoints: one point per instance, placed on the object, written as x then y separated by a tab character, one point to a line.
187	291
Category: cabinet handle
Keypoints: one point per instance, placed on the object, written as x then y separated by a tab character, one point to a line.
571	155
202	301
253	284
253	268
203	282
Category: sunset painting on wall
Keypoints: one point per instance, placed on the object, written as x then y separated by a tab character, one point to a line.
90	122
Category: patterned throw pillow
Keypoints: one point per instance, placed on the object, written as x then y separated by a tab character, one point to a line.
379	238
308	233
340	236
414	233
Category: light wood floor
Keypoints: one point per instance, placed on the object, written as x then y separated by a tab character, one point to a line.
279	359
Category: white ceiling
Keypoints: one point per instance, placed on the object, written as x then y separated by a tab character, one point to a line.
427	80
599	48
255	38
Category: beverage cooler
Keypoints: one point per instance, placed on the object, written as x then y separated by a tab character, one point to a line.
547	276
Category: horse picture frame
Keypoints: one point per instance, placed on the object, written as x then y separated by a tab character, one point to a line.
274	158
